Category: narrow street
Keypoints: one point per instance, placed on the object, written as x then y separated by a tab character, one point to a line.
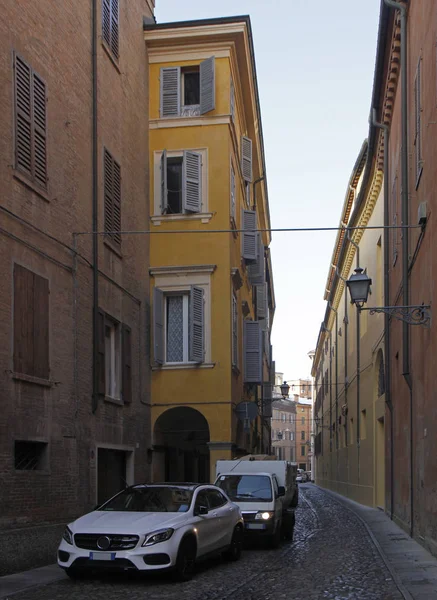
332	556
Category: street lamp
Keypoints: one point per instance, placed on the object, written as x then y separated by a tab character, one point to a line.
285	388
359	286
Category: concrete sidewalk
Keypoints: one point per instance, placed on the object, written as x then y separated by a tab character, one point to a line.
413	568
12	584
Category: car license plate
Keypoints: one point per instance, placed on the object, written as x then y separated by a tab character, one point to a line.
255	526
102	555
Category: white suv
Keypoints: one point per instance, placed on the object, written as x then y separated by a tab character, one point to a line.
154	526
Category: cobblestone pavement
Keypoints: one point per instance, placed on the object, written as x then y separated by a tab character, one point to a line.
331	557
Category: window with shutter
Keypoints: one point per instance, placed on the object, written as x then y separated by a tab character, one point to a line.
30	123
188	91
249	237
191	182
418	122
31	323
232	193
207	85
252	352
170	85
181	189
234	330
110	25
112	198
246	158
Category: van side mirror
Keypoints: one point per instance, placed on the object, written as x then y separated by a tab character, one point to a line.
200	510
281	491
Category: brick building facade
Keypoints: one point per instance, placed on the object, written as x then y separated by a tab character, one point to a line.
73	153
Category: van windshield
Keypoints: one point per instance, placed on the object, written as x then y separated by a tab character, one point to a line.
246	488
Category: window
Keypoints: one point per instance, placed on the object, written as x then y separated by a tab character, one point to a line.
303	420
418	122
179	326
302	435
216	499
291	436
302	450
31	323
115	356
30	456
234	330
283	417
290	418
181	183
233	193
30	123
112	198
110	25
188	91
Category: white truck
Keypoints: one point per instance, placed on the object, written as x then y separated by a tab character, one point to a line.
266	491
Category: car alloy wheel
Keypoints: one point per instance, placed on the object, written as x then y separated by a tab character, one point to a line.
186	560
236	547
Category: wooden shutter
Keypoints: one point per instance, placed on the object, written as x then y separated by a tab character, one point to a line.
112	197
232	100
207	85
39	130
252	340
246	158
232	192
116	211
197	326
41	327
23	320
126	339
170	84
164	187
106	21
23	116
158	325
257	270
114	28
191	181
101	364
234	330
249	246
261	300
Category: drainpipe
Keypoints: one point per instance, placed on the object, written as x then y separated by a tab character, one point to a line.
95	211
405	237
254	190
387	364
336	385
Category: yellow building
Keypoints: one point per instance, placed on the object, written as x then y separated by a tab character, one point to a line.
348	366
210	274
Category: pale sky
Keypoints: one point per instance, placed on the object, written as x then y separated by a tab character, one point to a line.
315	62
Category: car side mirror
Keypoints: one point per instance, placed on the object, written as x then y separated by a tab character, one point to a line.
200	510
281	491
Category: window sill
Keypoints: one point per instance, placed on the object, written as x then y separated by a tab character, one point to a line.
31	185
32	379
112	247
111	56
203	217
111	400
177	366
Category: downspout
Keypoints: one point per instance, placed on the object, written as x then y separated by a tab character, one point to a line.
405	237
95	210
254	190
387	303
336	385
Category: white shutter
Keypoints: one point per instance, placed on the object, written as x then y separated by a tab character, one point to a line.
207	85
164	188
252	352
158	325
170	91
197	326
249	237
246	158
257	270
232	192
192	181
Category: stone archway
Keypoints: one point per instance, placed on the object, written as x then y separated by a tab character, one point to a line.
181	451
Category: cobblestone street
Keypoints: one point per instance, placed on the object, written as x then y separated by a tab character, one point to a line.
331	557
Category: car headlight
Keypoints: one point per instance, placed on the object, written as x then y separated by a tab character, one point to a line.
265	516
157	536
68	536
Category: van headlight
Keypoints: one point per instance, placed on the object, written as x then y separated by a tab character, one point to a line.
157	536
265	516
68	536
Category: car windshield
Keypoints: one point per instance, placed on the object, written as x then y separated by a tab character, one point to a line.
246	488
151	499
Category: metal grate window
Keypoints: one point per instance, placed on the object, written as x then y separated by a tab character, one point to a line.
30	456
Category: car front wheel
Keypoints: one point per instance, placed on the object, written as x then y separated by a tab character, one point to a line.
236	547
186	560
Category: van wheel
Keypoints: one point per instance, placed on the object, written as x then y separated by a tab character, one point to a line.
236	547
275	538
186	560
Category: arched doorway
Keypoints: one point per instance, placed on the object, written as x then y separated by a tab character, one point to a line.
181	452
